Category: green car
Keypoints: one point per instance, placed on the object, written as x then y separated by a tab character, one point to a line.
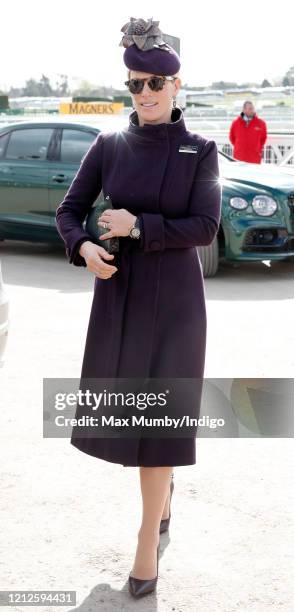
257	221
38	161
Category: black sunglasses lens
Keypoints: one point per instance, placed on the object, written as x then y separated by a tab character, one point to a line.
136	85
156	83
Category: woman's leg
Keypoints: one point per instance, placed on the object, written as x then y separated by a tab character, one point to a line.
165	513
155	483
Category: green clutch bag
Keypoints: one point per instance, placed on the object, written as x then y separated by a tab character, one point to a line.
111	244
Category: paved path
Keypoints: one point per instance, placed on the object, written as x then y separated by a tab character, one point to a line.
69	521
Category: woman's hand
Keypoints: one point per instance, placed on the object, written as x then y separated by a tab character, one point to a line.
120	222
93	253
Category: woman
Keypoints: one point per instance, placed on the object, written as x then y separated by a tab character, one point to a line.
148	316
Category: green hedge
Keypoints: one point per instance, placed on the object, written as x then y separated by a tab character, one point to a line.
4	104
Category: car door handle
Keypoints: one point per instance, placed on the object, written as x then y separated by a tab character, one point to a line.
59	178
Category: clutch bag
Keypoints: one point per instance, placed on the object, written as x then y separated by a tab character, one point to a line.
111	244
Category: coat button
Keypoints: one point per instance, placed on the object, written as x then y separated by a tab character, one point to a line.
154	245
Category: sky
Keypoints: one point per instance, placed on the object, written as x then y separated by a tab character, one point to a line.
220	40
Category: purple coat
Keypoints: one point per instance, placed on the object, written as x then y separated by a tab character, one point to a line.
150	316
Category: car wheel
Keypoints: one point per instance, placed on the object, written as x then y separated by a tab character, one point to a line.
209	257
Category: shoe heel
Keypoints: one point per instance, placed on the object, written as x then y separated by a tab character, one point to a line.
138	587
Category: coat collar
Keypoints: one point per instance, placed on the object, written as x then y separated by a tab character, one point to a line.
158	130
242	115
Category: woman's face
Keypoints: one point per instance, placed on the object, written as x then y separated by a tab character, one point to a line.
154	106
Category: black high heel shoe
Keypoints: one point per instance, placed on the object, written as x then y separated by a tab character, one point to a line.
164	523
139	587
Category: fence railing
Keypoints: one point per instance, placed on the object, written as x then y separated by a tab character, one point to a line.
278	149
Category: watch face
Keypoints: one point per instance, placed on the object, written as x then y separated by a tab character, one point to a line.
135	232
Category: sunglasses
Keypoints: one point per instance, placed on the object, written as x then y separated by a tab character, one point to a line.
155	83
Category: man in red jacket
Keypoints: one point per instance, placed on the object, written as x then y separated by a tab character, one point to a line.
248	135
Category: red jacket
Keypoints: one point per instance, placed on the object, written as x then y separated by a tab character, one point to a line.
248	139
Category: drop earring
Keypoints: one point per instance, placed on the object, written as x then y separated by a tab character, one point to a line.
174	102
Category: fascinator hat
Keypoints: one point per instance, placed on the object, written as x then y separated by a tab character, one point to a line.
145	49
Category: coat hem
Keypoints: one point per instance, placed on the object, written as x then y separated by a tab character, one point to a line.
174	464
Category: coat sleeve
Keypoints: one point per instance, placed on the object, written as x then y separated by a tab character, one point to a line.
202	223
264	133
82	193
232	133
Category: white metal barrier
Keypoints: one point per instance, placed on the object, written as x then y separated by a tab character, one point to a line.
278	149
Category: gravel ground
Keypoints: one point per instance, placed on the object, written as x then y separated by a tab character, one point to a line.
70	521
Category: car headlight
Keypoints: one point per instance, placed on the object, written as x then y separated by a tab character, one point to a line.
264	205
238	203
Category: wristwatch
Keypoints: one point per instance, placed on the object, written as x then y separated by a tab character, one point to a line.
135	231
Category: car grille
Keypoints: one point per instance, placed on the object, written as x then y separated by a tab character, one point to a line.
291	208
291	199
267	239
